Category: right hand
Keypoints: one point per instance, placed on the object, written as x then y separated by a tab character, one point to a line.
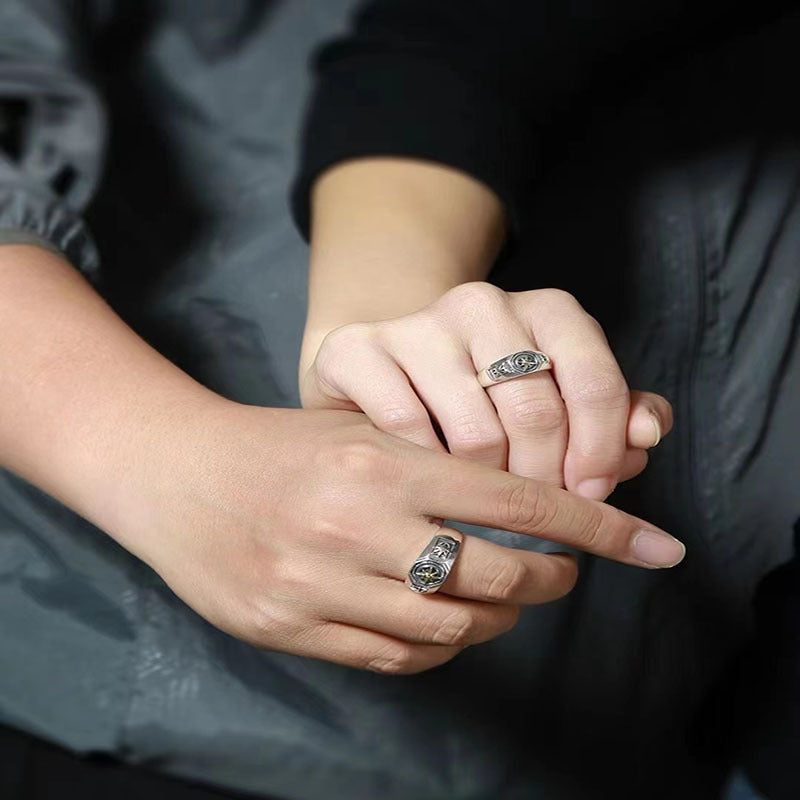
294	530
578	426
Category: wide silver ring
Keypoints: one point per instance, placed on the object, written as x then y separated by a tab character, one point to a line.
524	362
430	570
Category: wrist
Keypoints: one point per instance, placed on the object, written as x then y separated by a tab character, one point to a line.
390	236
84	401
136	459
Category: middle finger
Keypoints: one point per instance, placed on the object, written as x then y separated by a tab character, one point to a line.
530	407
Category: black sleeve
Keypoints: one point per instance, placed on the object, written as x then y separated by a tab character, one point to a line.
474	83
52	129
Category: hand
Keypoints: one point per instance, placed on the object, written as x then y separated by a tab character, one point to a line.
290	529
577	426
293	530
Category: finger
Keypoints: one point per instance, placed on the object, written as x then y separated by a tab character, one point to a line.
650	419
388	606
447	488
379	387
593	388
634	463
370	650
445	381
483	571
530	408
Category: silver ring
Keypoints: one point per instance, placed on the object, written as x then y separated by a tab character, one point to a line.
525	362
430	570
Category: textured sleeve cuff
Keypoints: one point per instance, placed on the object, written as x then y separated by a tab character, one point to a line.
34	216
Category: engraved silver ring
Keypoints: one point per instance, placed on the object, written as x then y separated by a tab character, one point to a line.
524	362
430	570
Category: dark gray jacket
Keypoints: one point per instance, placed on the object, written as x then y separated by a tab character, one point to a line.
691	224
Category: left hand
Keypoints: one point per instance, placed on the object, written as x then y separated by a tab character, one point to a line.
577	426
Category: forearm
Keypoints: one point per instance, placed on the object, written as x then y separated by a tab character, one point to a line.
86	406
390	236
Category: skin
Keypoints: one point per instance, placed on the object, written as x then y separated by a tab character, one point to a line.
290	529
400	320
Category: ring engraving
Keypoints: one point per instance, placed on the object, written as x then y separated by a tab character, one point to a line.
430	570
525	362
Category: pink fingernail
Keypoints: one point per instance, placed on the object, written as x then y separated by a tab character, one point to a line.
658	549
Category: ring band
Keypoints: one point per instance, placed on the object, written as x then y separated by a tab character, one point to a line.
525	362
430	570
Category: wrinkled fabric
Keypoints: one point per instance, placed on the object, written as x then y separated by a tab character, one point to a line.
54	143
683	242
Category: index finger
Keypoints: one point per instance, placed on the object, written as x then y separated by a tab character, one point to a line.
450	488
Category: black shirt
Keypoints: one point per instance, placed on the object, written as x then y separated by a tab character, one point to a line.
476	84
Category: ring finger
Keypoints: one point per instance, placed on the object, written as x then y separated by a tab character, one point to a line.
386	605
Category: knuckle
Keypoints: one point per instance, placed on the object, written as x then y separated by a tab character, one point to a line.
332	534
477	446
595	323
589	530
608	391
360	457
400	419
470	436
396	658
455	629
558	297
290	580
282	574
531	415
346	336
340	344
601	454
522	505
503	580
475	296
268	622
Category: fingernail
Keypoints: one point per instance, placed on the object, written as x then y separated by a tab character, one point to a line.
596	488
656	427
658	549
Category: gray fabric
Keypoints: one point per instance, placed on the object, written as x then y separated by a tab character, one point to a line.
741	789
599	695
45	187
